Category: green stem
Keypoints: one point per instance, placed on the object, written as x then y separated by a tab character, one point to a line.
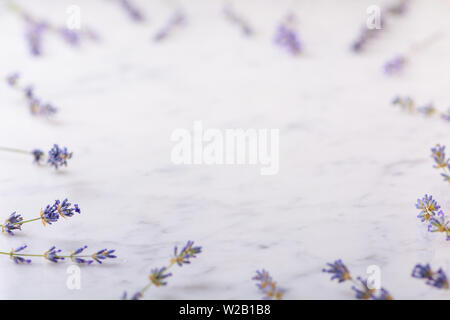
14	150
24	221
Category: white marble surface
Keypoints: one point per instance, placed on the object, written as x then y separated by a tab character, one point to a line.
351	166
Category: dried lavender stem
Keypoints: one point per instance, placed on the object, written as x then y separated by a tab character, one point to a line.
14	150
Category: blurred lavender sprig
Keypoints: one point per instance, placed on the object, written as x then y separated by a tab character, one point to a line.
158	276
267	286
431	214
49	215
131	9
239	21
406	103
177	19
286	36
54	255
437	279
56	157
395	66
366	34
36	28
35	105
363	290
441	161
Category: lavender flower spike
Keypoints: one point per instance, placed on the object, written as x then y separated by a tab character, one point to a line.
103	254
157	276
435	279
12	223
267	286
338	270
428	208
365	293
185	254
286	36
132	10
51	213
177	19
52	255
395	66
442	162
18	259
58	157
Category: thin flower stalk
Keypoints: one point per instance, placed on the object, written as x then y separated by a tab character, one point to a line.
35	104
56	157
49	215
363	290
428	110
54	255
158	276
37	28
267	286
178	19
437	279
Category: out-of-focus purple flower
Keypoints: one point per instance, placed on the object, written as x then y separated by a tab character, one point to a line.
58	157
176	20
267	286
71	36
439	223
400	8
446	116
287	37
132	10
18	259
34	33
52	255
406	103
157	276
384	295
435	279
12	79
37	155
103	254
361	41
12	223
364	292
338	270
395	65
438	155
233	17
427	110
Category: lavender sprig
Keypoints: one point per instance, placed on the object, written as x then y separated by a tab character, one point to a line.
56	156
49	215
408	104
437	279
35	105
158	276
54	255
36	29
234	18
132	10
177	19
442	162
432	216
362	289
286	36
267	286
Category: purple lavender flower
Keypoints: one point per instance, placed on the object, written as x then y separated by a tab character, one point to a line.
435	279
103	254
78	259
58	157
384	295
12	223
37	155
19	259
34	34
363	293
427	110
157	276
438	223
438	155
286	36
185	254
395	65
132	10
428	208
52	255
338	270
71	36
53	212
232	16
365	35
177	19
399	8
267	286
446	116
12	79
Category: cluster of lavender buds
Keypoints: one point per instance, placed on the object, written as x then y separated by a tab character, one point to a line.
234	18
176	20
430	214
366	34
363	290
48	215
56	157
130	8
441	161
37	28
395	65
54	255
286	36
428	110
37	107
267	286
158	276
437	279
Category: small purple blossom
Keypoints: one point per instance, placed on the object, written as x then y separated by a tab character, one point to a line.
12	223
384	295
439	223
438	155
395	65
12	79
338	270
58	157
188	252
427	110
364	292
428	208
37	155
52	255
19	259
34	34
361	41
51	213
74	255
446	116
103	254
157	276
132	10
287	37
267	286
435	279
